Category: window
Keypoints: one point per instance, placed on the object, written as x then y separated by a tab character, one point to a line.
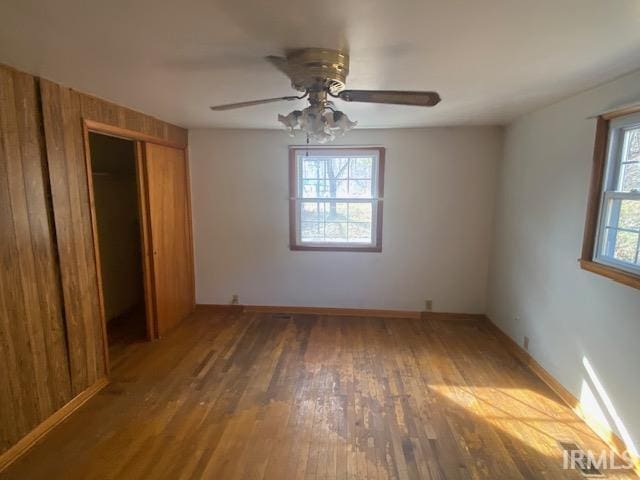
615	205
336	198
619	227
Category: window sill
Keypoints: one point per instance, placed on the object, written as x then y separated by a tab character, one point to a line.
317	248
615	274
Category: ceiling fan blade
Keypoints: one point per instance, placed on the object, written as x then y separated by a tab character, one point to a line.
395	97
231	106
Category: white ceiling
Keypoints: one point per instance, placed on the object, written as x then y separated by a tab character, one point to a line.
491	60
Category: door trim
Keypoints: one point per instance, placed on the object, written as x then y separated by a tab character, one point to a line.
127	134
137	138
96	246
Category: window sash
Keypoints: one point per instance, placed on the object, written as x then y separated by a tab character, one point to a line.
610	193
615	150
331	154
355	244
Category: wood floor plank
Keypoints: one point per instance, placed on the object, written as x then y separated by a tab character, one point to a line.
262	396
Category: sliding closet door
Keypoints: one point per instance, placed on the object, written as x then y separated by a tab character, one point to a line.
170	222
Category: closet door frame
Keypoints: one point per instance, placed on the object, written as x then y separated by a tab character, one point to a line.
139	140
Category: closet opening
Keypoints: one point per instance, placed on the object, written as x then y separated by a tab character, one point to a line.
116	186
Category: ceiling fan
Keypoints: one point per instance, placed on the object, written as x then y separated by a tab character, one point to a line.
321	74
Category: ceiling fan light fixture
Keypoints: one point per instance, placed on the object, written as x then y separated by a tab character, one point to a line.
321	123
290	121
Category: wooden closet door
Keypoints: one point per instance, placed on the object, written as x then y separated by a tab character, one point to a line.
170	224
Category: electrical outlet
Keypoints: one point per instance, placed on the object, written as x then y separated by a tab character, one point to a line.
428	305
235	299
526	342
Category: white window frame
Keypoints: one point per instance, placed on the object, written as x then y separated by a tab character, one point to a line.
296	156
615	149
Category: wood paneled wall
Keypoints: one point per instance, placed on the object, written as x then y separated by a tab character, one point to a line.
33	354
65	154
52	344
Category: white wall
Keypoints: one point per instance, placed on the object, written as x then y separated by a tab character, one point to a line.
536	286
439	191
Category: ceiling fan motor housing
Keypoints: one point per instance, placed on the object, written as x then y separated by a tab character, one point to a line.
317	69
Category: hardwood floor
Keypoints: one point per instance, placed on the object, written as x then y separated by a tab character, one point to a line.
257	395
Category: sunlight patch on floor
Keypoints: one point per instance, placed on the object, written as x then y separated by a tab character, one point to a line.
533	418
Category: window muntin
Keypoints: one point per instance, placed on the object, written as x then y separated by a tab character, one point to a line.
337	198
618	239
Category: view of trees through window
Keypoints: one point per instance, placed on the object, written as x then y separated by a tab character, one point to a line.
621	240
336	198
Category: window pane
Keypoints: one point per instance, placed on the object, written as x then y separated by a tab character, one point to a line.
360	188
623	214
335	212
630	163
360	212
339	188
309	188
621	245
632	143
360	232
336	232
360	168
630	176
337	168
310	212
311	232
312	168
630	214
